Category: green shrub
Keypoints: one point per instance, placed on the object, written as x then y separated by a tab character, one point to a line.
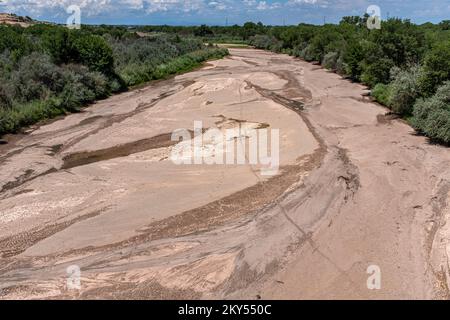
340	65
352	59
15	41
36	77
6	64
95	81
431	116
265	42
297	51
5	98
330	60
57	42
139	73
404	89
29	113
382	93
203	31
436	67
94	52
377	71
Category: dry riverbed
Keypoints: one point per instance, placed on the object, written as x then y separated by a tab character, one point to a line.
98	190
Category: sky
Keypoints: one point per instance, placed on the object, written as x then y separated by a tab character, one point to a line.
224	12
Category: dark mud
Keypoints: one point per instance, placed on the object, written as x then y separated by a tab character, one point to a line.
83	158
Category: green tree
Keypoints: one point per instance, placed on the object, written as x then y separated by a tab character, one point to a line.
352	58
404	89
432	115
15	41
436	67
94	51
57	42
250	29
203	31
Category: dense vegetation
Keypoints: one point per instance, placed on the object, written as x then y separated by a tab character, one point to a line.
406	65
217	34
48	70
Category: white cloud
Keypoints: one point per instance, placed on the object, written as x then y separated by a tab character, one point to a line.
263	5
94	7
297	2
237	10
304	1
218	5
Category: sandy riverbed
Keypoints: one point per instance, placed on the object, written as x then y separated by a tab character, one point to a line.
98	190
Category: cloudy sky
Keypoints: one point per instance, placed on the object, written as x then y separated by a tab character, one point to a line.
218	12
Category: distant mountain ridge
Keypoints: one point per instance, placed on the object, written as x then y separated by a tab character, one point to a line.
13	19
